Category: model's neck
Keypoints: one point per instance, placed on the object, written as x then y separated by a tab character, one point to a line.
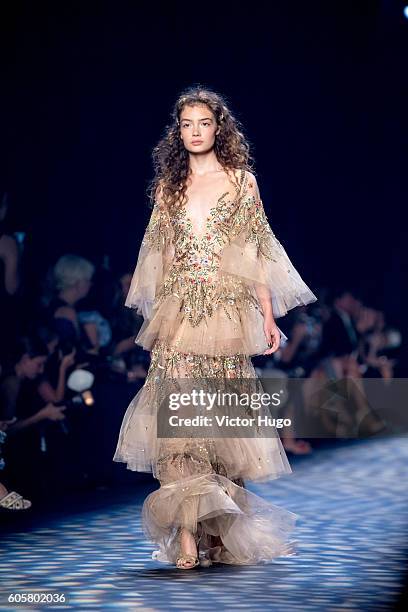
204	163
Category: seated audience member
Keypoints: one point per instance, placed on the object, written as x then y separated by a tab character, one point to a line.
343	411
71	282
9	280
125	325
297	358
377	343
30	359
51	385
9	500
18	400
298	355
340	335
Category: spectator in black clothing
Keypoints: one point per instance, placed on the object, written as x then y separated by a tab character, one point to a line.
376	344
51	385
297	359
18	399
30	356
9	281
125	325
339	335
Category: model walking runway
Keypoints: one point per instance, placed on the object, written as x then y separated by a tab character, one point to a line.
210	281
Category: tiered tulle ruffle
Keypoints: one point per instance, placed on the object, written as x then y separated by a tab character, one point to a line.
222	315
202	479
259	457
252	530
231	329
266	267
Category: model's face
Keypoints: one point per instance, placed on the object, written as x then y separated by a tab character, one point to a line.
198	128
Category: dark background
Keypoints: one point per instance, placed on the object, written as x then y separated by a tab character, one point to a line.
320	87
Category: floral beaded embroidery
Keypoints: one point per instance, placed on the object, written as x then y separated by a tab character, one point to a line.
158	233
192	276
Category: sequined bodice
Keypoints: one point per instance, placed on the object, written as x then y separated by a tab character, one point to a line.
229	268
196	256
193	275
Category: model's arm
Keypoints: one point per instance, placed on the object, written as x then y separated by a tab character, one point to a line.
257	258
155	255
263	292
276	277
258	232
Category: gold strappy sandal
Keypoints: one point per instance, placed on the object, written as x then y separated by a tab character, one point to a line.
14	501
186	557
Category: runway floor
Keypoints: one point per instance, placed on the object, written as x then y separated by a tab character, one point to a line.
352	500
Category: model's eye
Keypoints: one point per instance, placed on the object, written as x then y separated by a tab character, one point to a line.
206	123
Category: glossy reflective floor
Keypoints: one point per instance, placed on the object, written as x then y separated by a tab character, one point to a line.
352	546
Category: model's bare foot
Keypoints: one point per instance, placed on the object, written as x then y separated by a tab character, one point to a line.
188	557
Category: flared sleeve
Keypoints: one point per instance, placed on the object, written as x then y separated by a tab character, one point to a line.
256	256
155	256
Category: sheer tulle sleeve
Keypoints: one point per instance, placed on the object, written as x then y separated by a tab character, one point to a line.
155	255
256	256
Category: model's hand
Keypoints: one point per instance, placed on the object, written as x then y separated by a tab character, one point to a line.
272	334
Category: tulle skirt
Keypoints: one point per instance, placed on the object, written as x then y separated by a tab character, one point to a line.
202	479
251	529
219	318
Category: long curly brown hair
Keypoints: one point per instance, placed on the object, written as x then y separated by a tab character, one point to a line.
171	158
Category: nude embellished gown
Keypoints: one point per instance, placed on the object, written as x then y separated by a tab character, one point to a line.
199	295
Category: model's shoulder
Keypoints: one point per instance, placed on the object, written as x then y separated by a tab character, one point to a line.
251	184
250	178
244	177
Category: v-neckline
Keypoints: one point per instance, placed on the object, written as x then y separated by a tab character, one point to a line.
213	209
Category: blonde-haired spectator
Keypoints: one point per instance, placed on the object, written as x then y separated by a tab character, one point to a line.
72	273
72	281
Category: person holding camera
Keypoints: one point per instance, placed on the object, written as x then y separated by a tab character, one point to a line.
19	409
